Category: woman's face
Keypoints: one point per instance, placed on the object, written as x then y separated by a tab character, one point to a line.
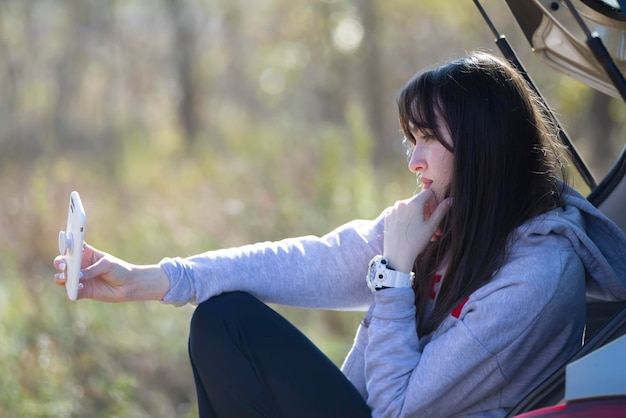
431	160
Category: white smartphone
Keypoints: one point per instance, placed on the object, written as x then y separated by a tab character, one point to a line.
71	244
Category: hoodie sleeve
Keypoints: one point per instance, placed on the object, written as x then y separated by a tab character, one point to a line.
489	352
313	272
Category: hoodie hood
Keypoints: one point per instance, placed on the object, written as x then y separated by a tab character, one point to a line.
599	242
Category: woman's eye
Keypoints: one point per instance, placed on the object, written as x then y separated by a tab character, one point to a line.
426	136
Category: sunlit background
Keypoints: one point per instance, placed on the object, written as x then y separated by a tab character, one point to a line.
190	125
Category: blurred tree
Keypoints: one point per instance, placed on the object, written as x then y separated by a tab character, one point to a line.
330	66
373	85
184	46
236	56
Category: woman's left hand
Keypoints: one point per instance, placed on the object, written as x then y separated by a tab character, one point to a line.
409	226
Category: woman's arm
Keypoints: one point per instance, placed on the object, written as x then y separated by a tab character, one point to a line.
315	272
509	335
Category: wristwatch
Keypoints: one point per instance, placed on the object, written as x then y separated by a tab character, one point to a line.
381	276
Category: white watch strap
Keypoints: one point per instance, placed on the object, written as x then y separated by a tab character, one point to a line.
393	278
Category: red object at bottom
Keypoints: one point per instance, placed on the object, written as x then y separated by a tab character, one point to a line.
613	407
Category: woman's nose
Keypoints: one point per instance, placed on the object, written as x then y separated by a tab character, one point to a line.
417	162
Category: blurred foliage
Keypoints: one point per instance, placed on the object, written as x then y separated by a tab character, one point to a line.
190	125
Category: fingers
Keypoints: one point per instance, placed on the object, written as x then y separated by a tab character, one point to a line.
89	254
85	276
430	204
436	235
420	212
59	264
410	225
423	203
59	279
440	211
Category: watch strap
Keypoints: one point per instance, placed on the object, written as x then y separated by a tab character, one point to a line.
382	276
394	278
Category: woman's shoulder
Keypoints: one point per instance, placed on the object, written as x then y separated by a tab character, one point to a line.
532	278
537	270
535	285
552	228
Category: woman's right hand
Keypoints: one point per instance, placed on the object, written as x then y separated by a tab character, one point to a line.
410	225
110	279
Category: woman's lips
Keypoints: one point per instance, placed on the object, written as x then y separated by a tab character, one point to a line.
426	183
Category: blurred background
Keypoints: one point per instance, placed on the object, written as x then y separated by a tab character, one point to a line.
190	125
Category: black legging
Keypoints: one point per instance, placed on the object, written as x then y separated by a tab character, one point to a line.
249	361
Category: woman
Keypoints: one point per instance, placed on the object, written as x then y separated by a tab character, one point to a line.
474	290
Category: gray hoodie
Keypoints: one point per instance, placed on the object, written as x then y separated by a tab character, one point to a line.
494	348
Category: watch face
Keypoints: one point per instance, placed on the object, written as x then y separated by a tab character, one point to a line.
376	264
372	271
380	276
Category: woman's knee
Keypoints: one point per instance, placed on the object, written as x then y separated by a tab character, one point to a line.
213	319
223	307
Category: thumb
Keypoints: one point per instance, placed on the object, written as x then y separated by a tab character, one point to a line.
96	269
440	211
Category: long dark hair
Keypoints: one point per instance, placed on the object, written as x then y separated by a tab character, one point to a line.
507	169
